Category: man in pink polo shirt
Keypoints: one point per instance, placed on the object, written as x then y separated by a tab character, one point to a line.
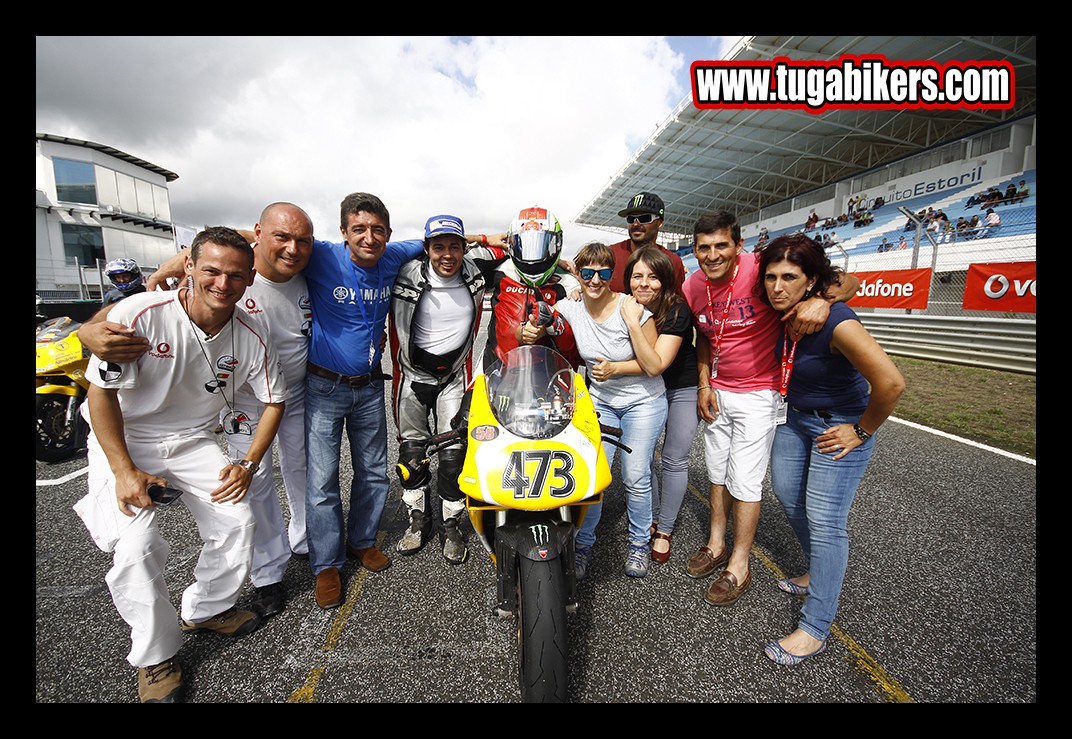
739	398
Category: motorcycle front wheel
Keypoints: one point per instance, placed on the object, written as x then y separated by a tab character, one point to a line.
56	440
541	631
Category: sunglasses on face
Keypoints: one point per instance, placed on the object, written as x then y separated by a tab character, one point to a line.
588	273
640	218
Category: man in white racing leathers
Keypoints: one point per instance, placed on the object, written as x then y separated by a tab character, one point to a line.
436	307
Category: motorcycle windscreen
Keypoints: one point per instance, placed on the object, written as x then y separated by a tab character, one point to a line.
531	392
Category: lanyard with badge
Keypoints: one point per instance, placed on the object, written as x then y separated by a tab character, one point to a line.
789	353
725	316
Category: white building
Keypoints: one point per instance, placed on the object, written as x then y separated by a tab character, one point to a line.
94	204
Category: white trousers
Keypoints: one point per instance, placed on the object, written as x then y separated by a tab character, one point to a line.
136	579
273	543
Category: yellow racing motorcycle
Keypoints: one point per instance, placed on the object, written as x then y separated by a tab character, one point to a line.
534	461
61	389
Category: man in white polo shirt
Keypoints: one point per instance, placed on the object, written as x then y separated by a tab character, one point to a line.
152	422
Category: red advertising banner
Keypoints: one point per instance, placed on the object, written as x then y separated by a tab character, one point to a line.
893	288
1001	286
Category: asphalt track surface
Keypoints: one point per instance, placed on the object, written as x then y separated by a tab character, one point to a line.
938	606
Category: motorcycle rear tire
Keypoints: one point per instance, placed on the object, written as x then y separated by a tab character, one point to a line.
542	633
56	441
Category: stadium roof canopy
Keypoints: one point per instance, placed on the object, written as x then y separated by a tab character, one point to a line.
701	159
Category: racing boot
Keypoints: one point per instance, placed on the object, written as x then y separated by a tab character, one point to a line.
420	524
454	549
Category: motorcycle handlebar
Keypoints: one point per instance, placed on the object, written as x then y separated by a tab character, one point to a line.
444	439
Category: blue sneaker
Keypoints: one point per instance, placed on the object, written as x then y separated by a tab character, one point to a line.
581	561
636	562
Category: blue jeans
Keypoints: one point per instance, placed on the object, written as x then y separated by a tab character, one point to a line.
328	407
641	425
817	493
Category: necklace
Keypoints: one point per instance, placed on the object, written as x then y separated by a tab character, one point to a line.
216	382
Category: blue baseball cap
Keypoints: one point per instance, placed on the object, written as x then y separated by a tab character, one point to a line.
444	225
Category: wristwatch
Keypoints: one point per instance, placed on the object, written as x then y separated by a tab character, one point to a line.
248	464
864	435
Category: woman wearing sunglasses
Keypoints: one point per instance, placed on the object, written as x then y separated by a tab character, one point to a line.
649	277
623	394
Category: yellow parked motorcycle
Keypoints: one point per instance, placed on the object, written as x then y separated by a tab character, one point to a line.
61	389
534	461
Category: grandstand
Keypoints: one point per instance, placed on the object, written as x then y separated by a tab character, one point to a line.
774	167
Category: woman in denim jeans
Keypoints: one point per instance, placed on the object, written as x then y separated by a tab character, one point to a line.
821	452
611	330
649	277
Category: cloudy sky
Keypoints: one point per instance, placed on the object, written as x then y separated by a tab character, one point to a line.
477	126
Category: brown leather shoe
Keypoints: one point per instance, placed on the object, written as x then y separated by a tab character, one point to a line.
661	557
329	588
371	558
725	591
704	562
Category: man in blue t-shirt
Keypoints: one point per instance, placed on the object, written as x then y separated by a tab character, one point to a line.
350	289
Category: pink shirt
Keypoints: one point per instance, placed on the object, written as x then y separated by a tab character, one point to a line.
746	359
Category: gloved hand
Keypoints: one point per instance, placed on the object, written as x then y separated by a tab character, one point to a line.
543	315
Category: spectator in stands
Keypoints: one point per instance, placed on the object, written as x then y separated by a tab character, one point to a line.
879	202
972	230
976	199
949	233
993	221
1010	194
934	227
961	229
883	247
829	223
843	218
992	197
764	237
863	219
813	218
1022	192
903	243
834	239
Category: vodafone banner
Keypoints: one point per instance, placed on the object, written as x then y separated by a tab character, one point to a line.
893	288
1003	286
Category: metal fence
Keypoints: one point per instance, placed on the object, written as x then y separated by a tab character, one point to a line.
993	343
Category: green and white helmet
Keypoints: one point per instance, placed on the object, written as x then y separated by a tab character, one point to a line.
535	239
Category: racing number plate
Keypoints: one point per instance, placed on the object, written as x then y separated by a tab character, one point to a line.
531	473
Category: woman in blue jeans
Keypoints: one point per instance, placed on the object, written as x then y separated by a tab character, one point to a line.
840	386
647	273
626	397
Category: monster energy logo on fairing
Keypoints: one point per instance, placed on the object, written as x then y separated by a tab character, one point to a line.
539	533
